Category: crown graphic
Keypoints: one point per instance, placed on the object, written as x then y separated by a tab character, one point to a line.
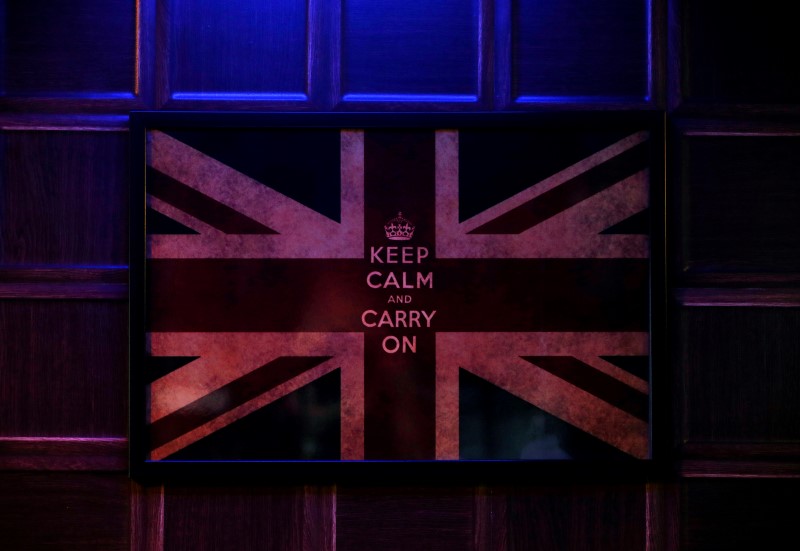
399	228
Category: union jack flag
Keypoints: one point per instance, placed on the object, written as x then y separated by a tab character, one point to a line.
258	253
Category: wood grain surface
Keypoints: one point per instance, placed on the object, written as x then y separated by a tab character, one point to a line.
70	71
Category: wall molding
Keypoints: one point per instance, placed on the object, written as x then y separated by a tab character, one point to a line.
63	453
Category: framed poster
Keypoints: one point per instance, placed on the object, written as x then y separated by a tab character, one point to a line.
355	289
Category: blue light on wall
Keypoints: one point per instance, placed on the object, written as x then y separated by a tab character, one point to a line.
580	51
401	50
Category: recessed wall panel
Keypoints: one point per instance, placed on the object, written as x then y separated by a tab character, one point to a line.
395	519
63	368
738	368
198	518
63	198
415	50
611	516
64	48
246	51
724	514
580	51
738	54
739	204
76	511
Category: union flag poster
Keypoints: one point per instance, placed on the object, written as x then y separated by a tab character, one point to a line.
334	288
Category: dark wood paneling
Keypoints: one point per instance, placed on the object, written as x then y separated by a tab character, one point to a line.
80	52
63	201
411	51
727	514
63	290
54	511
63	121
491	520
739	54
63	47
663	526
564	516
147	518
223	54
64	283
405	518
739	377
63	198
778	298
63	368
738	205
63	454
697	468
248	517
673	53
580	50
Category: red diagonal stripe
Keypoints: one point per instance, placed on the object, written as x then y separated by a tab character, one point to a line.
230	396
596	382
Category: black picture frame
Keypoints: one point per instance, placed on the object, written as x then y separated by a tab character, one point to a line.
388	469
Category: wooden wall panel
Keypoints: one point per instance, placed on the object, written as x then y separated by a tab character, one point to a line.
577	516
740	380
63	453
63	249
414	52
218	54
87	50
197	518
580	51
738	55
55	511
725	514
739	199
63	198
395	518
63	368
71	53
